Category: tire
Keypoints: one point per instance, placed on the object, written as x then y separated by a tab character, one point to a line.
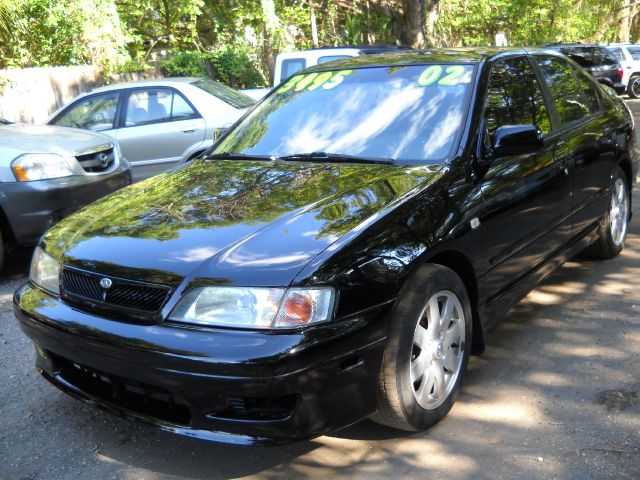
613	227
3	249
411	400
633	88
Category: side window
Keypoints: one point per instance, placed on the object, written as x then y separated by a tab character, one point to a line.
156	106
567	93
95	113
589	90
291	66
634	52
514	97
180	109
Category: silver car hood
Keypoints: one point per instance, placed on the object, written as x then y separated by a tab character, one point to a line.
16	140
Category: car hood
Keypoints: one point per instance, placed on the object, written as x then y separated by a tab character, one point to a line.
242	223
19	139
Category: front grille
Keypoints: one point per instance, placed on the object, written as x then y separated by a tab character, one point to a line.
78	286
96	162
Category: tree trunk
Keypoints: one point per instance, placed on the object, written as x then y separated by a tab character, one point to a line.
314	27
408	19
431	10
409	25
625	22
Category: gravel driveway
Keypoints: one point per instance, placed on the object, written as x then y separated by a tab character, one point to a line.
556	395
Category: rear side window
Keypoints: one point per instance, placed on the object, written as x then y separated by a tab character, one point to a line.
567	93
514	97
96	113
618	53
291	66
156	106
634	52
589	90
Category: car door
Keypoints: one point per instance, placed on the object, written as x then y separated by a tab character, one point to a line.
97	113
158	129
589	133
527	196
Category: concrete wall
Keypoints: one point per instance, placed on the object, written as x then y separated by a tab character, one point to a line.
30	95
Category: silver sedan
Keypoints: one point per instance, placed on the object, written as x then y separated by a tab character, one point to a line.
158	123
46	173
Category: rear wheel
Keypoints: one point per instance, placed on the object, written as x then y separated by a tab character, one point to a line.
427	351
613	228
633	88
3	249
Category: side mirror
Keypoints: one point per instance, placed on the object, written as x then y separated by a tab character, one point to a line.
517	140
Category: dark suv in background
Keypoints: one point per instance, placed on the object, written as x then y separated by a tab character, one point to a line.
596	60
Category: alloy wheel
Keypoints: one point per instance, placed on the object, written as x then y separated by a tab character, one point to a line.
437	350
635	87
619	213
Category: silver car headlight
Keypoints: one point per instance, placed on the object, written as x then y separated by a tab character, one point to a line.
45	271
42	166
262	308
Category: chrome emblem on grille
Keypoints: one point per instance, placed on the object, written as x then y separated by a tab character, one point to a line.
103	160
106	283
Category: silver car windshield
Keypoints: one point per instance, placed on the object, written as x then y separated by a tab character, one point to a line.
411	114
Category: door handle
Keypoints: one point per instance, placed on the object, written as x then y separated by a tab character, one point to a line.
562	159
193	130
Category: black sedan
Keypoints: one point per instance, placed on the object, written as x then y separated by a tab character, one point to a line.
342	250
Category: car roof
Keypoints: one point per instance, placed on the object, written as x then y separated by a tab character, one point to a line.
573	45
160	82
435	55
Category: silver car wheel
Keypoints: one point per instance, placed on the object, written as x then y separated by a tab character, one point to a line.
438	350
619	213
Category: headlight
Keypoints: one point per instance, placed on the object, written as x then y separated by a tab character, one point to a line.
263	308
41	166
45	271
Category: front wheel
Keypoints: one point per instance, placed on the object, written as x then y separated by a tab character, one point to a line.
633	88
613	228
427	351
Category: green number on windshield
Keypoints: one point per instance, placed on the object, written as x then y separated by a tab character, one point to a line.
320	79
454	72
433	74
430	75
290	84
306	81
337	79
312	81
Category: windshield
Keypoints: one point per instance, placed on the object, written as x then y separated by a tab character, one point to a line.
224	93
591	56
408	113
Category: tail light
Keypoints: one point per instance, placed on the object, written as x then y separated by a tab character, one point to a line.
620	72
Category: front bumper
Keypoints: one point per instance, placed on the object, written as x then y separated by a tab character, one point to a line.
31	208
620	88
216	384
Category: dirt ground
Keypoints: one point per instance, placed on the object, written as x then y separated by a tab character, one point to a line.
556	395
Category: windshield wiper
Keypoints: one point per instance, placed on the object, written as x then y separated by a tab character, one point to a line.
239	156
336	157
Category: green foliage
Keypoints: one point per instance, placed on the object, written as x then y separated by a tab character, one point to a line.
185	64
230	65
233	66
527	22
59	32
236	41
